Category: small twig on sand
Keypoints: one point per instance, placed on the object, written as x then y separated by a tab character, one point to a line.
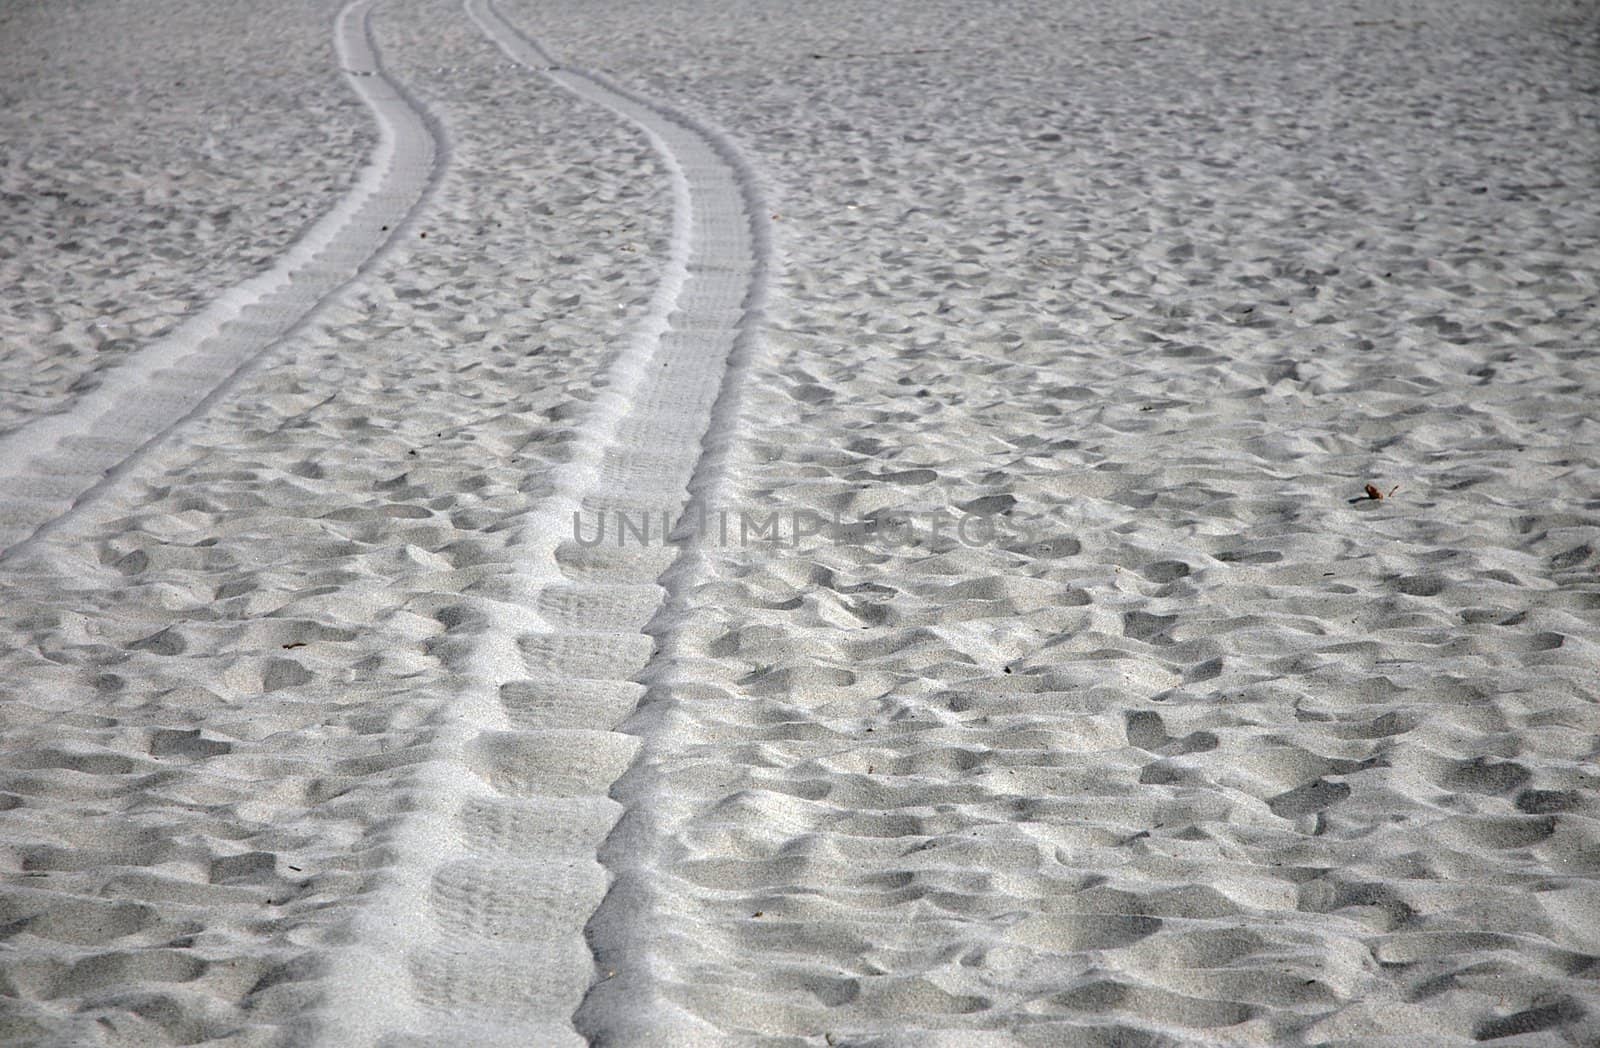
884	54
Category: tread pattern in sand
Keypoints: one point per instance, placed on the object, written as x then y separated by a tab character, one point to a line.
59	463
156	156
217	681
480	933
1225	757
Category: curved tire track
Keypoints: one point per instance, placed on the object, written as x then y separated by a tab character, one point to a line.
497	905
58	464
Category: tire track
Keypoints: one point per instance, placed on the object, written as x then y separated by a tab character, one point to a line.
497	905
57	465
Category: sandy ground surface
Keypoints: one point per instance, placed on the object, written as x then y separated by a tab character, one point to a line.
1200	747
156	154
216	682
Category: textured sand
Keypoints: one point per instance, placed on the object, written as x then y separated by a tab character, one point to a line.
1228	758
219	678
316	727
156	154
62	461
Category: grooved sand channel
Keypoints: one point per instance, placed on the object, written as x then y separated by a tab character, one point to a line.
318	725
55	464
483	932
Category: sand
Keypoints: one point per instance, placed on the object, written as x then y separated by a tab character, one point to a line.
321	726
156	156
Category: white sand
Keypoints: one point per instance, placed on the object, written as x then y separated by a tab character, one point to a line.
61	461
319	727
155	155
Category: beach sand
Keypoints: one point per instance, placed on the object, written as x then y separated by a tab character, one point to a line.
1146	727
156	155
